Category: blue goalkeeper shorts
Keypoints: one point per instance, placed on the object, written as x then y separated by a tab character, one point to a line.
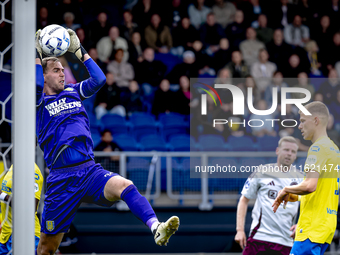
7	247
308	248
67	188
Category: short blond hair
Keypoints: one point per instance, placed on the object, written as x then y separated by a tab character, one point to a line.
45	61
288	139
317	108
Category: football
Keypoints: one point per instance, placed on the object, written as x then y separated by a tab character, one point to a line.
54	40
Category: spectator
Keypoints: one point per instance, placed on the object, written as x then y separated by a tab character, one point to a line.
143	11
251	10
182	97
290	121
211	33
183	36
331	8
224	12
163	102
132	99
278	83
236	31
198	12
237	66
282	14
332	51
308	12
249	82
318	97
108	45
64	6
330	87
128	27
108	145
223	54
294	67
296	34
189	68
175	13
262	127
150	72
136	48
334	108
94	55
263	70
99	28
69	19
250	47
313	57
303	83
158	36
43	19
279	51
264	33
108	98
224	77
82	38
122	71
331	132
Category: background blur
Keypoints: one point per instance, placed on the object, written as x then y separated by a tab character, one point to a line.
140	120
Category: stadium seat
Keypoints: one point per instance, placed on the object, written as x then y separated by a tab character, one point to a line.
267	143
181	142
172	124
115	123
190	184
143	124
167	59
243	143
153	143
138	172
126	142
212	143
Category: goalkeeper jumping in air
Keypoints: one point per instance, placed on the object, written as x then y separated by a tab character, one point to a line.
63	131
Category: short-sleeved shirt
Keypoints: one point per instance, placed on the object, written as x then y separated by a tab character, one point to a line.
319	209
264	187
6	187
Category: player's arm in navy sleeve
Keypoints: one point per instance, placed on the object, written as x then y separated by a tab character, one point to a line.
38	69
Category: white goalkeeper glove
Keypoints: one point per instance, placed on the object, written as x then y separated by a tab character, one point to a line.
75	45
38	49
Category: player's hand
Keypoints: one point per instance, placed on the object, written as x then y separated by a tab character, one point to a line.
241	239
75	45
279	199
293	229
37	45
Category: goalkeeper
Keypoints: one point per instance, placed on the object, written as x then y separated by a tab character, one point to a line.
63	131
6	213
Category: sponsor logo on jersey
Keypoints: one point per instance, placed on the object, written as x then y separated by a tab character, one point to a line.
108	174
61	105
69	89
36	187
272	194
315	148
50	225
247	184
334	212
293	183
311	159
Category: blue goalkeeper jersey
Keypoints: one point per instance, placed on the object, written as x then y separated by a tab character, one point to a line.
62	119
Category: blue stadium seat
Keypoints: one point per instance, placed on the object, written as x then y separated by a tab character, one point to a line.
115	123
267	143
172	124
168	59
126	142
143	124
181	142
153	142
212	143
243	143
96	138
138	172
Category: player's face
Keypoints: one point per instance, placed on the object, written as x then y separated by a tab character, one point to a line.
54	77
286	153
307	126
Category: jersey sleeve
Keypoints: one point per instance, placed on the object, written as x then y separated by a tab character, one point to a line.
316	159
39	83
251	186
38	182
93	84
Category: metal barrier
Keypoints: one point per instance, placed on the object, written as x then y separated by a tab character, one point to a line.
136	166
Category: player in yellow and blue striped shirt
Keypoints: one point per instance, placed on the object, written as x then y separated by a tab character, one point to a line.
319	192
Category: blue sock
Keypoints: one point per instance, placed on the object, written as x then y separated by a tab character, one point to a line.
139	205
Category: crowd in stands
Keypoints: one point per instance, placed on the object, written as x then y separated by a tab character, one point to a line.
150	49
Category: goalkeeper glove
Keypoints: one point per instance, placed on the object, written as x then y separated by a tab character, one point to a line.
38	49
75	45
